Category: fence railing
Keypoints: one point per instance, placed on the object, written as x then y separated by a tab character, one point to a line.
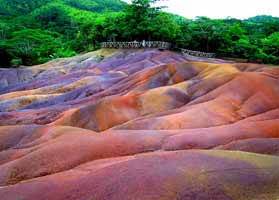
153	44
136	45
197	53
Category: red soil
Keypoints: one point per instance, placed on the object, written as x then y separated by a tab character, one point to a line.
140	124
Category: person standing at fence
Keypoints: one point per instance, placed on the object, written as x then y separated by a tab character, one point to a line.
143	44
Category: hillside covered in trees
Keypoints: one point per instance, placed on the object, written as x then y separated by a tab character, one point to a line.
33	32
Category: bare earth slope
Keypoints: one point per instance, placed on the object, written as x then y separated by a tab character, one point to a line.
139	125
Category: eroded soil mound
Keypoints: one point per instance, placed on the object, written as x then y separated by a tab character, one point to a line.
139	124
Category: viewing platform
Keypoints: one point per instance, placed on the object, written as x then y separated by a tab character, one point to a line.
136	45
155	45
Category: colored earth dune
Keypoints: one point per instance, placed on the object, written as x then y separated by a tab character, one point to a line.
139	125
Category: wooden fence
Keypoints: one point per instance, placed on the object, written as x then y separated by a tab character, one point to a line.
197	53
136	45
153	44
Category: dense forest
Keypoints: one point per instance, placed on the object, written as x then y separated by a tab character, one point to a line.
33	32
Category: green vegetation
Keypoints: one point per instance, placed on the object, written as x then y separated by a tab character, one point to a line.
33	32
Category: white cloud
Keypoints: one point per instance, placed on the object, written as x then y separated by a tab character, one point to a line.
222	8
